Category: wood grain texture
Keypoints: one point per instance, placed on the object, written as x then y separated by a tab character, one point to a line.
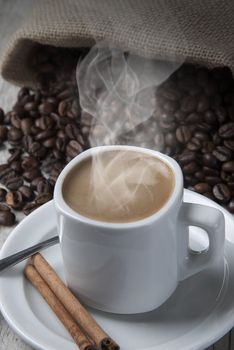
12	13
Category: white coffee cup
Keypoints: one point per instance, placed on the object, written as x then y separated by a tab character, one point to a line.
134	267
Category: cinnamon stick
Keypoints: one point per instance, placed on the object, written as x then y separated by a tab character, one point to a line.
77	334
72	304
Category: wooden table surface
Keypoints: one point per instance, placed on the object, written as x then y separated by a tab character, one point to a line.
12	13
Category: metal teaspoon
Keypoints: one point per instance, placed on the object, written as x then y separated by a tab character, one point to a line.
14	259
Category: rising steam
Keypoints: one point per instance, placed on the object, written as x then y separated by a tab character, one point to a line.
119	90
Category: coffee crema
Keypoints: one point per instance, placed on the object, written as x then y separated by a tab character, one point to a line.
118	186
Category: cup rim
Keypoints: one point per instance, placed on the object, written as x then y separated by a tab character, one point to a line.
63	208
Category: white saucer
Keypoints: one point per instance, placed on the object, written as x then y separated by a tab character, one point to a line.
199	312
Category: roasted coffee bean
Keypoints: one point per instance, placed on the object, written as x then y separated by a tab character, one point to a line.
14	134
73	148
27	142
27	192
30	207
16	121
31	174
202	187
213	180
189	168
46	108
44	135
30	106
228	167
229	144
15	155
226	130
54	173
58	154
16	165
29	162
49	143
63	108
7	174
60	144
15	200
26	125
3	133
42	198
48	163
222	192
183	134
3	193
209	160
7	218
64	94
18	109
35	182
44	186
34	131
188	104
201	136
222	153
193	118
44	123
194	145
5	170
72	131
186	157
210	171
4	207
37	150
204	127
199	175
13	183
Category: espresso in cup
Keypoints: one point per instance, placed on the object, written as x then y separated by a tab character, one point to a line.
118	186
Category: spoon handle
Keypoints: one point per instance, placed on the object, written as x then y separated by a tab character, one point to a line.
14	259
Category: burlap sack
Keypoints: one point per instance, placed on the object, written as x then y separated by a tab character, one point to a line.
199	31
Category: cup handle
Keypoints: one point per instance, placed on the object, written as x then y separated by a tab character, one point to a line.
212	221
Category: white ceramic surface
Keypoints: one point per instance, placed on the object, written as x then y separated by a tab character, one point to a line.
134	267
199	312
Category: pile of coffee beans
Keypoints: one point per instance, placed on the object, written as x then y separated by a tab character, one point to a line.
42	132
194	123
46	128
